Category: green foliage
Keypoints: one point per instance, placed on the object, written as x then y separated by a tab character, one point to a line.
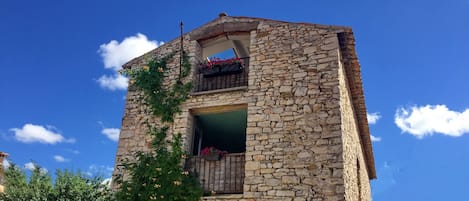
16	185
40	185
71	186
68	186
163	102
159	175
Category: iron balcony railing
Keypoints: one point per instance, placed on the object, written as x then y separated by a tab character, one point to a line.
223	176
204	82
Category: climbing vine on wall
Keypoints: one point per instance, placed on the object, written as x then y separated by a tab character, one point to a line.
159	175
163	101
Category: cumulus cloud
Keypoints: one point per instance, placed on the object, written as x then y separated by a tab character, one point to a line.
6	164
421	121
60	159
111	133
113	82
74	151
30	166
373	117
375	139
115	54
99	170
36	133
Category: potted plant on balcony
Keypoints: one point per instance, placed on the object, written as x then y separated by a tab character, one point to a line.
212	153
217	66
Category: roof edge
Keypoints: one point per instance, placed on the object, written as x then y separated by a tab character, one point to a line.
227	23
352	68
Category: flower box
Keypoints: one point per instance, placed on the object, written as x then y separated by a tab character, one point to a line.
212	157
212	153
222	67
210	72
231	68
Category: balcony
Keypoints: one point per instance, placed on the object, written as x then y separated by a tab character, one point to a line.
224	176
222	79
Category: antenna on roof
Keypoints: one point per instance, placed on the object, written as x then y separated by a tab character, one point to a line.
181	52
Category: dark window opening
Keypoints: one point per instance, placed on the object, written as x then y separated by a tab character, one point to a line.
225	131
224	128
359	180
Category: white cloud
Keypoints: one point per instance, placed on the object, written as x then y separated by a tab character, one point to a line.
60	159
30	166
6	164
427	120
99	170
111	133
375	138
36	133
107	182
115	54
113	82
373	117
74	151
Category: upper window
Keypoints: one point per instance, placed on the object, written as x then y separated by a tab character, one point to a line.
226	62
236	44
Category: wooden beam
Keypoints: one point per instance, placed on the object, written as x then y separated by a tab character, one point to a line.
218	109
218	29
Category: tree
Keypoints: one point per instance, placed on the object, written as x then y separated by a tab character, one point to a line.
74	186
17	186
67	186
159	175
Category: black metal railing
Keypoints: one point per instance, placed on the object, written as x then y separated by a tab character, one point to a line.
224	176
222	81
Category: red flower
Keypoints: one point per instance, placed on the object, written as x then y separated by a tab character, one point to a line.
217	61
212	151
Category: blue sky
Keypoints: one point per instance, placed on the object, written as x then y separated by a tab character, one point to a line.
61	103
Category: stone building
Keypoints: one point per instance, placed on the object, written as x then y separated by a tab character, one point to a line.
3	155
292	118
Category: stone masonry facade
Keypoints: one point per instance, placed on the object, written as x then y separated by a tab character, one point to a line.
3	156
307	135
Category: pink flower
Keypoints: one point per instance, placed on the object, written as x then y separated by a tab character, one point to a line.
217	61
212	151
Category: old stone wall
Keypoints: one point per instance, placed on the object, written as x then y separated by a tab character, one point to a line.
2	158
357	186
296	99
293	135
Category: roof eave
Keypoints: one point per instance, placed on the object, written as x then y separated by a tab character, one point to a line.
352	68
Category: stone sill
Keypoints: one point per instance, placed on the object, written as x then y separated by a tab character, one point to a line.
225	196
219	91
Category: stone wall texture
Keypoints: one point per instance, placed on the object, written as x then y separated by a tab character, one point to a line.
304	140
3	155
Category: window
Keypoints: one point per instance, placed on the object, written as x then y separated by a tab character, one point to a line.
359	184
224	128
225	131
226	62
